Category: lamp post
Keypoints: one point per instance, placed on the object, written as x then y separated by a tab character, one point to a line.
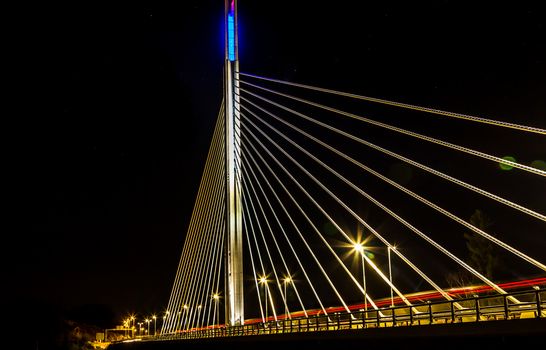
154	317
125	326
216	298
360	249
139	328
133	327
286	281
198	315
185	318
148	322
178	326
390	273
263	282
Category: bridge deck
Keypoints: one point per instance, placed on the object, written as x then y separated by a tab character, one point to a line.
467	335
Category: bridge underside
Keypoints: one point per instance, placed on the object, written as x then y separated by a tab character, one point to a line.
464	336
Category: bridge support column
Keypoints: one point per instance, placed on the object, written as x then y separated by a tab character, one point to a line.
234	301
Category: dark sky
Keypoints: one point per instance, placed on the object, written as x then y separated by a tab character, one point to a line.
120	101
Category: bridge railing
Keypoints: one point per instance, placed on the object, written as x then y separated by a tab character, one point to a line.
532	304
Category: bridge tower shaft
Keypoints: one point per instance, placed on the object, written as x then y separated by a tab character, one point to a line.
234	298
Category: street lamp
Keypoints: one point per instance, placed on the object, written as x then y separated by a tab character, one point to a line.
216	298
178	322
359	247
133	326
198	313
286	281
263	282
148	322
126	326
167	314
390	273
155	324
185	318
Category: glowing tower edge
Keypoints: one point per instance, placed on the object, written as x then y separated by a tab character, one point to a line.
234	302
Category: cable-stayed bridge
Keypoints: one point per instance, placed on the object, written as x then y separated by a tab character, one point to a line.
325	210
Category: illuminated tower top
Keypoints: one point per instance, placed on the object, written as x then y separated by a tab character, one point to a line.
231	38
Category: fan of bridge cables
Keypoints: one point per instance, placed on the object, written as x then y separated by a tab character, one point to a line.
352	202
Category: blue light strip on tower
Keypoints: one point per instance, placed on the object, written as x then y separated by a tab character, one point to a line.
231	32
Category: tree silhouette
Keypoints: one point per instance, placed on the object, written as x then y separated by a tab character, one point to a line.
482	253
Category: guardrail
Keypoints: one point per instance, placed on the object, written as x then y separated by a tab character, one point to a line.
476	309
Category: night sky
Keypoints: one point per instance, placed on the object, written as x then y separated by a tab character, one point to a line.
120	103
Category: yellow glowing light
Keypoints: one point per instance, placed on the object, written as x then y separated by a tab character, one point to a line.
358	247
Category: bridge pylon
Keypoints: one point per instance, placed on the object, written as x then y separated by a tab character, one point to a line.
234	300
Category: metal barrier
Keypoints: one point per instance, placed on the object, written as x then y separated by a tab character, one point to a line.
476	309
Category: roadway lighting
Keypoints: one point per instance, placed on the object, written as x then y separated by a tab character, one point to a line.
198	315
164	319
263	282
359	247
390	273
287	280
185	319
166	315
216	298
148	322
179	312
133	327
155	324
125	325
